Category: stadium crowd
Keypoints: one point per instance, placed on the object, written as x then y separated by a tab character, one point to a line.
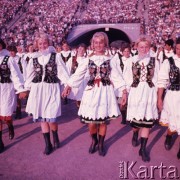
99	12
9	10
164	20
58	17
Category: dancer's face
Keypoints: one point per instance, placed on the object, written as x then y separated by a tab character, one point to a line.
81	51
19	49
12	53
126	53
99	45
143	48
167	47
43	44
31	48
65	47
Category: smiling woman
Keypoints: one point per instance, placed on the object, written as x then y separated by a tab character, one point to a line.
99	103
142	99
99	43
143	47
42	42
44	74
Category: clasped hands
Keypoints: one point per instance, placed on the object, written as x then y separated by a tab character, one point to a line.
66	91
23	95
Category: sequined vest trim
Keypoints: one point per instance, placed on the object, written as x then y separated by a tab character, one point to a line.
136	69
104	72
174	76
65	59
5	72
50	70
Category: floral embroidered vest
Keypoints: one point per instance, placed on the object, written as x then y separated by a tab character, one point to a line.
103	71
50	70
138	69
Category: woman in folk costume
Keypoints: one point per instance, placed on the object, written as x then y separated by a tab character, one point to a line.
21	61
142	99
67	57
98	103
123	61
13	50
166	52
30	53
169	78
11	83
76	93
44	74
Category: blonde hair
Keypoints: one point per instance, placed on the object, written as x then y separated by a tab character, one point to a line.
101	35
41	36
144	39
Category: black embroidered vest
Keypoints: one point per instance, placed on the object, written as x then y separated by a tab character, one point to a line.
5	72
174	76
104	71
20	65
50	70
112	53
74	64
164	56
121	62
136	69
27	60
65	59
134	54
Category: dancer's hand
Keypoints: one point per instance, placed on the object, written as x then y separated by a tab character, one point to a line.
66	91
23	95
123	99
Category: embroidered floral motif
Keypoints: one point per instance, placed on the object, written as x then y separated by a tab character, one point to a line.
136	70
5	72
50	71
100	73
143	73
38	69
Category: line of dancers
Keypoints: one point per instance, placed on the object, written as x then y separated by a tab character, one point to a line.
105	85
